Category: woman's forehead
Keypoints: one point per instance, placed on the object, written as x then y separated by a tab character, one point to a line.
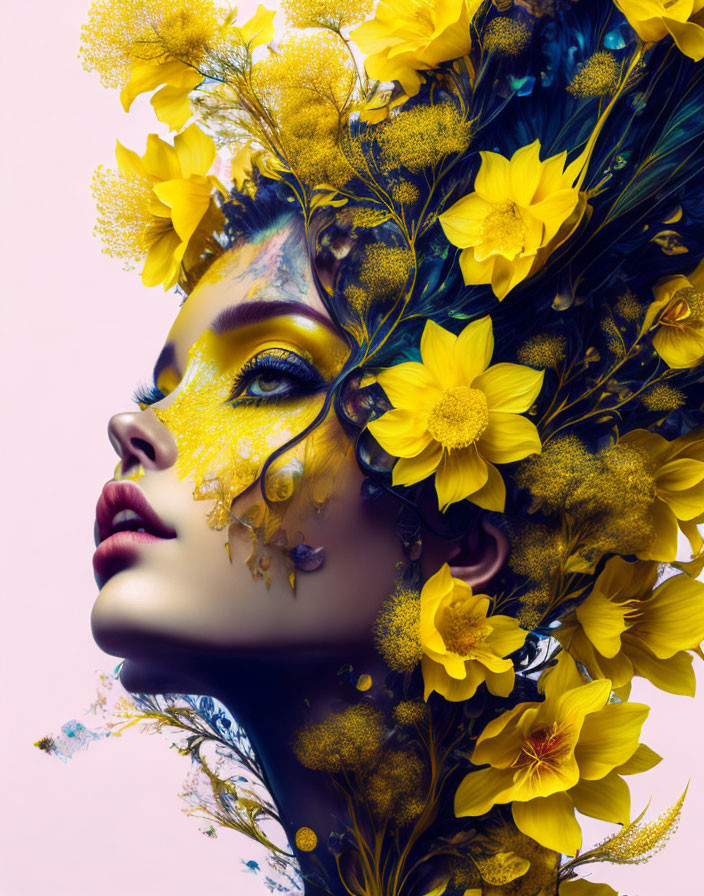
274	267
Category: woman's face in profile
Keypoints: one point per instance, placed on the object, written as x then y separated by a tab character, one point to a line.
245	367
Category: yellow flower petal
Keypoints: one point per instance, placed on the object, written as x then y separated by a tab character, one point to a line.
160	160
550	821
510	388
608	799
409	470
128	161
493	181
479	791
508	437
473	349
401	433
585	888
609	737
436	346
641	761
524	172
408	384
689	37
460	474
603	621
673	618
188	201
463	222
663	546
674	675
172	105
195	151
492	495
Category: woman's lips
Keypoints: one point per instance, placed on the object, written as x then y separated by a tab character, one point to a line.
124	522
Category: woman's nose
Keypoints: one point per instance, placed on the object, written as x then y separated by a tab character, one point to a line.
141	439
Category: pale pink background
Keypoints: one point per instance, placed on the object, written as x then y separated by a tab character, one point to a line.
77	334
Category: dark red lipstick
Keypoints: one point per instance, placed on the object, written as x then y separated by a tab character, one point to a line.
124	522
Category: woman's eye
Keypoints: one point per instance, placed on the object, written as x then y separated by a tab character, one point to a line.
267	384
276	375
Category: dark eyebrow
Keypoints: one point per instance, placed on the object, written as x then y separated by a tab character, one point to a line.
239	316
166	358
254	312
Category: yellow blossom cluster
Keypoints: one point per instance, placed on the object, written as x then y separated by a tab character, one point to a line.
405	193
307	88
638	841
332	14
599	76
123	214
397	630
663	397
610	497
537	552
628	306
408	713
350	740
543	351
506	36
420	137
395	786
120	33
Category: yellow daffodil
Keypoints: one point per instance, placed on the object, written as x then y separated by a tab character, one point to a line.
462	645
654	19
521	210
456	416
175	78
678	483
548	759
180	196
406	37
677	314
628	627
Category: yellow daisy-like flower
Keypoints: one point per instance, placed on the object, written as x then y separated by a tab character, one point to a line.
406	37
678	476
456	416
520	212
677	314
462	646
683	20
548	759
181	195
628	627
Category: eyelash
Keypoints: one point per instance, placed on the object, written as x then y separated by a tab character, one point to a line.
306	377
147	394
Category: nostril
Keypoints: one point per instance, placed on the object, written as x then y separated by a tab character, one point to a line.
144	447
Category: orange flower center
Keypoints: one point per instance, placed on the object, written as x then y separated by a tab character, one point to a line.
543	751
503	232
686	308
462	633
459	417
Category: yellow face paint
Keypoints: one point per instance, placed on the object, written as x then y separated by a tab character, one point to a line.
226	425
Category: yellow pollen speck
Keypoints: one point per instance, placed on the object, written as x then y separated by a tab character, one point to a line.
462	633
459	418
306	839
503	231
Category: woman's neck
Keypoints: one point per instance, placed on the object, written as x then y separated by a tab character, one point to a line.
272	701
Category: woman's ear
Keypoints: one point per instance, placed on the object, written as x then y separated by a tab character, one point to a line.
480	556
476	559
